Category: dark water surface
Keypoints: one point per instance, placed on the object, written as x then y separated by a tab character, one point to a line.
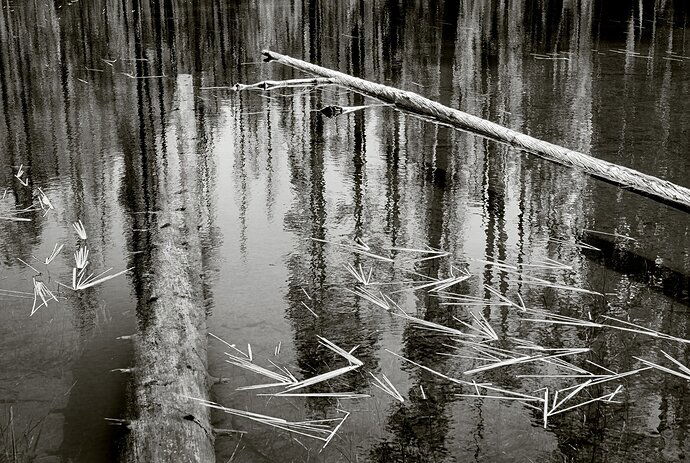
97	98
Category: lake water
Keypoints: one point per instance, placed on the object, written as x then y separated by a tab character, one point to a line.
97	98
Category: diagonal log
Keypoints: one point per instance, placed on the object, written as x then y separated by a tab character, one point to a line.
638	182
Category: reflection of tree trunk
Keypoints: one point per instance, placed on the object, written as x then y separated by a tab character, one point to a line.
420	427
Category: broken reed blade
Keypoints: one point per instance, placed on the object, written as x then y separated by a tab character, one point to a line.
28	265
340	351
683	368
415	250
484	328
576	244
15	219
581	323
616	235
425	324
335	430
19	294
466	300
310	309
321	378
450	282
495	264
546	264
369	296
359	275
503	298
232	346
532	280
249	365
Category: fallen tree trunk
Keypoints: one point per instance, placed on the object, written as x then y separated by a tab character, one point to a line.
170	346
170	351
653	187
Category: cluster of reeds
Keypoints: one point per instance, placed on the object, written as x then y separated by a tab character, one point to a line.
471	339
285	379
475	339
323	430
281	377
20	173
81	279
42	293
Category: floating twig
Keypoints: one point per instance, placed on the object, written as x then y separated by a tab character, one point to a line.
276	84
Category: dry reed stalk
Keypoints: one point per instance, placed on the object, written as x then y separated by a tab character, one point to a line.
358	249
359	274
316	429
79	228
310	309
387	387
54	254
42	292
80	283
683	373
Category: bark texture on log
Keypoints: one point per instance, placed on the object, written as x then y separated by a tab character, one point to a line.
170	359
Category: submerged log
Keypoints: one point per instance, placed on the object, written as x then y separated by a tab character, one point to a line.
653	187
170	355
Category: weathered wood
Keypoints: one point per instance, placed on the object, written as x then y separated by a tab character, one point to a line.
638	182
170	355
